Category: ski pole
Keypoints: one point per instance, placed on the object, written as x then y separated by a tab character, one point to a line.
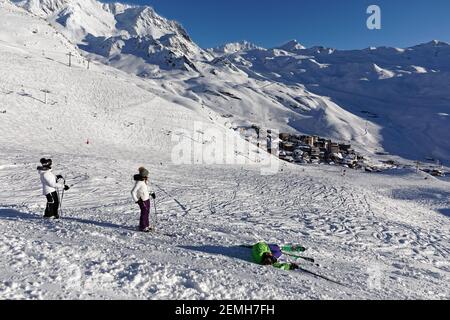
320	276
156	213
61	201
60	204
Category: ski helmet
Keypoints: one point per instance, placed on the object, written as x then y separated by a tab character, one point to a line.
46	163
143	172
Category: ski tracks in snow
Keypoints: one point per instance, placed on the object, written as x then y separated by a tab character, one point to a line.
95	252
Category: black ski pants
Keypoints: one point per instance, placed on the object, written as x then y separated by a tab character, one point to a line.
52	205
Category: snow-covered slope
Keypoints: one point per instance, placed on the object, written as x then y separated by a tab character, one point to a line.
140	115
401	92
384	236
138	41
379	99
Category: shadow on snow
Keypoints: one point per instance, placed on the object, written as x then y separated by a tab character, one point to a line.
423	194
11	214
236	252
100	224
14	215
445	212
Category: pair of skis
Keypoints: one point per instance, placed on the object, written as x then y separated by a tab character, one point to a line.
310	260
300	257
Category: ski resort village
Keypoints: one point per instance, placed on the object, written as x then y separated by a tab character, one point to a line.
137	165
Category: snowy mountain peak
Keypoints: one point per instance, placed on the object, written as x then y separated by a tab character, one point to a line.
429	45
144	21
120	32
292	46
45	8
96	18
234	47
435	43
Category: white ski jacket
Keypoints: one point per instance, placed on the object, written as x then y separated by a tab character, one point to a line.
141	191
49	183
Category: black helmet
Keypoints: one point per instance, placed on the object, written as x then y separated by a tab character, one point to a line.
46	163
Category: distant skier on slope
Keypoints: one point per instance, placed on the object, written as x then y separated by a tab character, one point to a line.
141	195
266	254
50	185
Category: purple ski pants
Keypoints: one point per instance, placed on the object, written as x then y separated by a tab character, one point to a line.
145	213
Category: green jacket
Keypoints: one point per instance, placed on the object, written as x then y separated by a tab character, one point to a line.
258	252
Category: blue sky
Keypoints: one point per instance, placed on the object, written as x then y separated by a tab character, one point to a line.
333	23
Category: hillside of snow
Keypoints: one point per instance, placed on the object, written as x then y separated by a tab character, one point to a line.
381	100
384	236
401	93
239	99
357	96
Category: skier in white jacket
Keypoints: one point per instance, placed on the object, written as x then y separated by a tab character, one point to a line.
50	184
141	195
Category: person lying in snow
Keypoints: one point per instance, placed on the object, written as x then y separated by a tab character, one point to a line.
266	254
50	185
141	195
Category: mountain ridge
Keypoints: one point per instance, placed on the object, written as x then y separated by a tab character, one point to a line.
278	87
